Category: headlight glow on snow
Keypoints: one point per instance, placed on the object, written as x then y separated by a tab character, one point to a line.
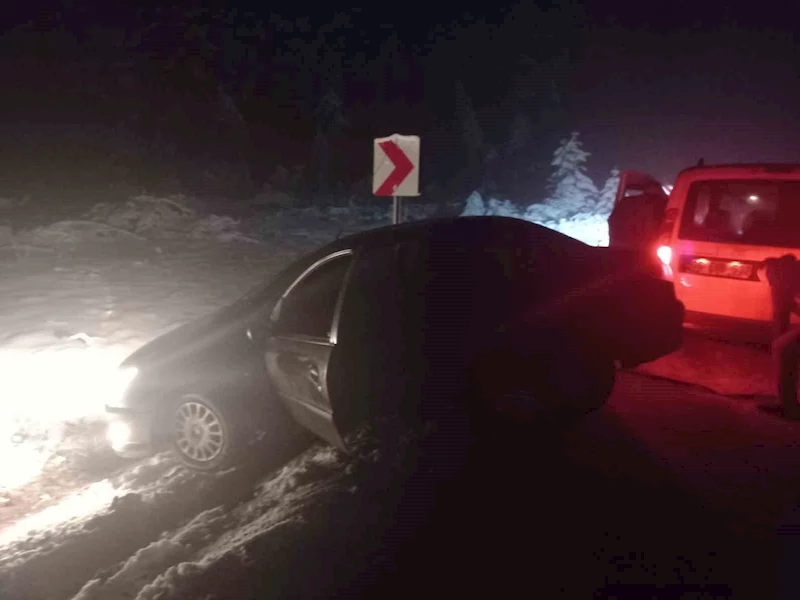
119	434
81	504
43	391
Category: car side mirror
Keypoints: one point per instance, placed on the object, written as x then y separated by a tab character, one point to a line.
257	327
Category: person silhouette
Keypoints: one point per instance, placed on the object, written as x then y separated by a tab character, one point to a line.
783	275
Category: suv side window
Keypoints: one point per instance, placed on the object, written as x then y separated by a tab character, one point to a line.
310	306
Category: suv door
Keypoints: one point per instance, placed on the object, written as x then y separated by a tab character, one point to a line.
638	211
302	340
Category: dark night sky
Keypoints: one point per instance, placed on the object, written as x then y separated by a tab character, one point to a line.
651	86
657	89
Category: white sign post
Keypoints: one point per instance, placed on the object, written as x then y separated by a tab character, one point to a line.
395	170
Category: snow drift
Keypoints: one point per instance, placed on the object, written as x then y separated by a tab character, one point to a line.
161	532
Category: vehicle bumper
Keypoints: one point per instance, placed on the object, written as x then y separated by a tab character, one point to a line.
129	432
730	328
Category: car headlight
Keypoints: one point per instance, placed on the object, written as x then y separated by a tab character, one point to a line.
119	383
119	434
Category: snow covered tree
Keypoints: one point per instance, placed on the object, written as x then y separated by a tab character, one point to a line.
572	191
476	207
605	201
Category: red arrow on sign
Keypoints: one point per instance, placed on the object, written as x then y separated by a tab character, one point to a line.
402	167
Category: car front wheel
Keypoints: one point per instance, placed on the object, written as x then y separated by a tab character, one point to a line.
203	434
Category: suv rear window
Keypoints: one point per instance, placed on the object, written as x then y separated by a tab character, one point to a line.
750	212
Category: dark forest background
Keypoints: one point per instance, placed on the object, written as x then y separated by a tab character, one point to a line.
231	102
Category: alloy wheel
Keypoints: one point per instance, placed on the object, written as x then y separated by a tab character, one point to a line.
199	434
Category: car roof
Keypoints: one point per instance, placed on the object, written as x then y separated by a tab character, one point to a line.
744	168
473	228
430	229
476	228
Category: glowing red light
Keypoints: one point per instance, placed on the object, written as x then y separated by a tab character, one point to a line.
664	253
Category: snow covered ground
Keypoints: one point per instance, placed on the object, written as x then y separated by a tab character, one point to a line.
78	296
67	322
75	299
156	530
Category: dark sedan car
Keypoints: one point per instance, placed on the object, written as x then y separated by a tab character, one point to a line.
494	316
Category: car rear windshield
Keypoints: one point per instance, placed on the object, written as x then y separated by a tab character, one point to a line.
750	212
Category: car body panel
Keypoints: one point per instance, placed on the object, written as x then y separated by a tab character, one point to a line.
299	371
298	364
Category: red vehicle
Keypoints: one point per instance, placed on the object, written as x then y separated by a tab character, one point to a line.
719	225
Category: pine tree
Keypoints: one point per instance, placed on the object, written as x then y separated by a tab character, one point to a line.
475	206
605	201
571	190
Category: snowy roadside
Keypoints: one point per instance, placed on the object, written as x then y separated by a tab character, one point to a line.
93	526
72	306
79	295
159	531
99	527
66	324
69	317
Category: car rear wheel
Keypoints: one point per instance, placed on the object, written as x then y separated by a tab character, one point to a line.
203	434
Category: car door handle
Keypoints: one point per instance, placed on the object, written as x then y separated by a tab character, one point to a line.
313	375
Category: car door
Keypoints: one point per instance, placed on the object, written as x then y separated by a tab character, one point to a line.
302	340
367	375
638	210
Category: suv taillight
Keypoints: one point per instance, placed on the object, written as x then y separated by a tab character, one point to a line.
664	243
664	254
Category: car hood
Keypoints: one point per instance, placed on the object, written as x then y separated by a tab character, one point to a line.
188	341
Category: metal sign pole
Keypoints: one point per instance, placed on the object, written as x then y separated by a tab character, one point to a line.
395	209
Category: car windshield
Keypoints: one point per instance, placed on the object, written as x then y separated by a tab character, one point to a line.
263	294
750	212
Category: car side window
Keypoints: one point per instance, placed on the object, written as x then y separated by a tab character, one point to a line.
310	306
